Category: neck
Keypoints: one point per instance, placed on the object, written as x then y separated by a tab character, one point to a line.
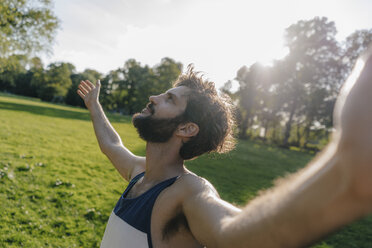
163	161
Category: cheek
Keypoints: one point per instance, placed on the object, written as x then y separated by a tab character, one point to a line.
167	111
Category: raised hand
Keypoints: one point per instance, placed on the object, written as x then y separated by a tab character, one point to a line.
89	92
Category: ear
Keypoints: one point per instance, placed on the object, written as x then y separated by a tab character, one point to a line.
187	130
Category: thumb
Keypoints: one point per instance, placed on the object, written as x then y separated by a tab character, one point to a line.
98	84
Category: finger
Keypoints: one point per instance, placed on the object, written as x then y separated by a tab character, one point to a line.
80	94
91	85
84	90
87	86
98	84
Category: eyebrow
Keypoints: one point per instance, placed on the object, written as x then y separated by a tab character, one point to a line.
174	96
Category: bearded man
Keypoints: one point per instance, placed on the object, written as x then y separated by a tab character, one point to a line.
166	205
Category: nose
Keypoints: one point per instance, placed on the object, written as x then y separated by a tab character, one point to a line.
154	99
151	99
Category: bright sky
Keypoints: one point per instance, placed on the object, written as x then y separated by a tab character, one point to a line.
218	36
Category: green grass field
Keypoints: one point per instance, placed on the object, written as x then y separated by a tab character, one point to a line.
57	189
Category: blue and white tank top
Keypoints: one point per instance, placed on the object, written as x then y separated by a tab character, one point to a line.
129	225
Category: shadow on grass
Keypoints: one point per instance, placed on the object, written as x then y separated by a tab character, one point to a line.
58	113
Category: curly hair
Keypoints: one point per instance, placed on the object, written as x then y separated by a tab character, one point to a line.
213	113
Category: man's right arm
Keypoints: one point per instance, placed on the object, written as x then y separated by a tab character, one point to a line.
332	191
109	140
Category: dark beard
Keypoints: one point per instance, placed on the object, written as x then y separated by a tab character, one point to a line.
156	130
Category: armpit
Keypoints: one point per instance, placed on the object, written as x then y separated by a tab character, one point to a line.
175	225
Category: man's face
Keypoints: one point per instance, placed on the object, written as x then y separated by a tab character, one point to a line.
158	121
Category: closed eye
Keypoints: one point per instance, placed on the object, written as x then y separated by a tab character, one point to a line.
170	97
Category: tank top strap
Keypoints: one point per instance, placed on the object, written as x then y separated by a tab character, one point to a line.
136	178
133	182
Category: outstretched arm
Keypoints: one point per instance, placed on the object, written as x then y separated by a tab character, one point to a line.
332	191
109	141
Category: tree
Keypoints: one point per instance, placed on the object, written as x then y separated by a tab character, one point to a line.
297	91
314	67
108	86
55	82
11	69
136	86
250	80
24	84
128	88
157	80
26	27
166	72
269	102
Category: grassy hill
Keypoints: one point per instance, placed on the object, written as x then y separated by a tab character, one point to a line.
57	189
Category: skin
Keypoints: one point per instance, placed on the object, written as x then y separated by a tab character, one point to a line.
331	191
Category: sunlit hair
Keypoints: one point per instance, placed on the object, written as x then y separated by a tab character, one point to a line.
213	113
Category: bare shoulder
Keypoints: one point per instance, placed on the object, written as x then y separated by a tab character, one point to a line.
206	213
192	184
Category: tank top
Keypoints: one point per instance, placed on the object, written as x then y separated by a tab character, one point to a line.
129	225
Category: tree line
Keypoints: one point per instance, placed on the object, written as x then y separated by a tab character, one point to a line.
124	90
289	103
